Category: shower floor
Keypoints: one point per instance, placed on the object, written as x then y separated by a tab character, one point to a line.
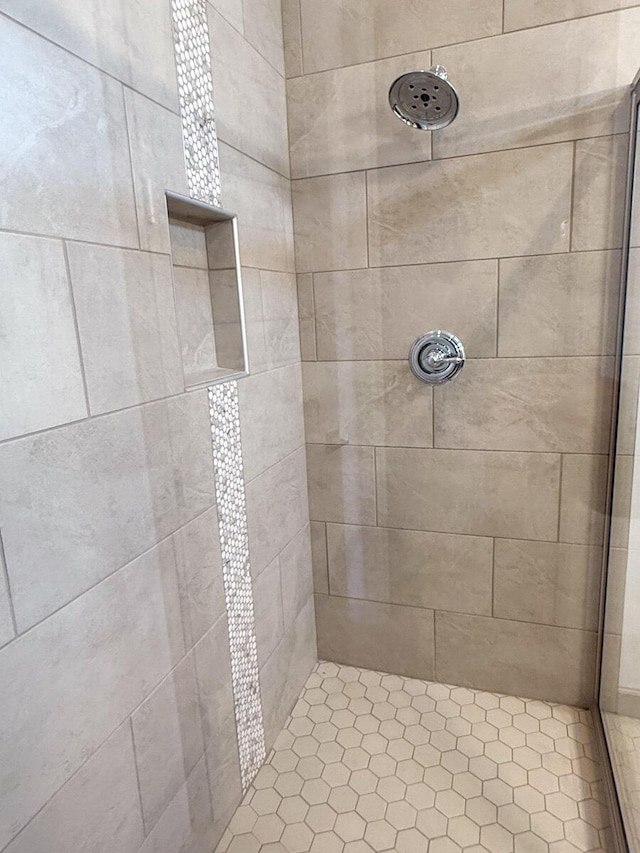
374	762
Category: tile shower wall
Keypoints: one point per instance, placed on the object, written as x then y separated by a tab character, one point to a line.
117	720
457	531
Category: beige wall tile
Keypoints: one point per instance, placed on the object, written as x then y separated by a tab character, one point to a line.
513	494
545	404
292	29
582	71
343	32
280	313
621	509
628	405
284	672
559	304
262	200
188	244
522	13
277	509
167	733
187	823
366	402
486	206
373	635
599	186
197	547
330	222
319	556
131	41
433	570
127	324
632	305
213	671
351	133
251	112
583	499
195	323
157	162
618	561
41	383
608	698
378	313
89	497
269	618
297	576
306	311
64	145
271	419
98	807
548	583
123	637
536	661
263	27
341	483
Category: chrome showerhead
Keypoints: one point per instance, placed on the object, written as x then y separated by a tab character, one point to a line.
425	100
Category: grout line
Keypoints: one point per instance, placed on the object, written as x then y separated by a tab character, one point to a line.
326	549
366	215
560	493
498	271
493	577
19	23
284	177
76	326
131	170
504	2
375	485
145	831
423	449
281	72
4	572
301	36
313	309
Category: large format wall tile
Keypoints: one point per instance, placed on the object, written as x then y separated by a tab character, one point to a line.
41	380
537	661
262	200
306	311
284	672
127	324
63	145
485	206
341	483
582	70
599	187
344	32
584	485
87	498
250	98
292	31
366	402
213	671
157	162
199	563
548	583
522	13
297	576
263	27
330	220
224	777
545	404
267	440
432	570
130	41
122	637
366	633
277	509
98	808
269	619
378	313
319	556
347	132
488	493
167	733
559	304
7	630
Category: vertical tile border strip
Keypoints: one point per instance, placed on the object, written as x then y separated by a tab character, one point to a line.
234	542
195	90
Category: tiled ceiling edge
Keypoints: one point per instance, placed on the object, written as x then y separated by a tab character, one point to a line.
195	90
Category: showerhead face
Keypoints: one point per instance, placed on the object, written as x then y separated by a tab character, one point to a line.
424	99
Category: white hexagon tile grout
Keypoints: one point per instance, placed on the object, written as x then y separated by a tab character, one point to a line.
370	762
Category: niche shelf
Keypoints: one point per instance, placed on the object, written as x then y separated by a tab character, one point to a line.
208	291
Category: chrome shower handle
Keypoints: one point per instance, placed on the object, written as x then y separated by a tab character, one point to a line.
436	357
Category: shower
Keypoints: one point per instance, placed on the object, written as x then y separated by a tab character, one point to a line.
425	100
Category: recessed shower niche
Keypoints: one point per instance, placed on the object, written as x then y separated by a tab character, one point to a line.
208	291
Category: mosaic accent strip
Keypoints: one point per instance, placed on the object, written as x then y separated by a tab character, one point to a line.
195	92
234	542
195	89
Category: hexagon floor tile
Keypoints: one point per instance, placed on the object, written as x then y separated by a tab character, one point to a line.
370	762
